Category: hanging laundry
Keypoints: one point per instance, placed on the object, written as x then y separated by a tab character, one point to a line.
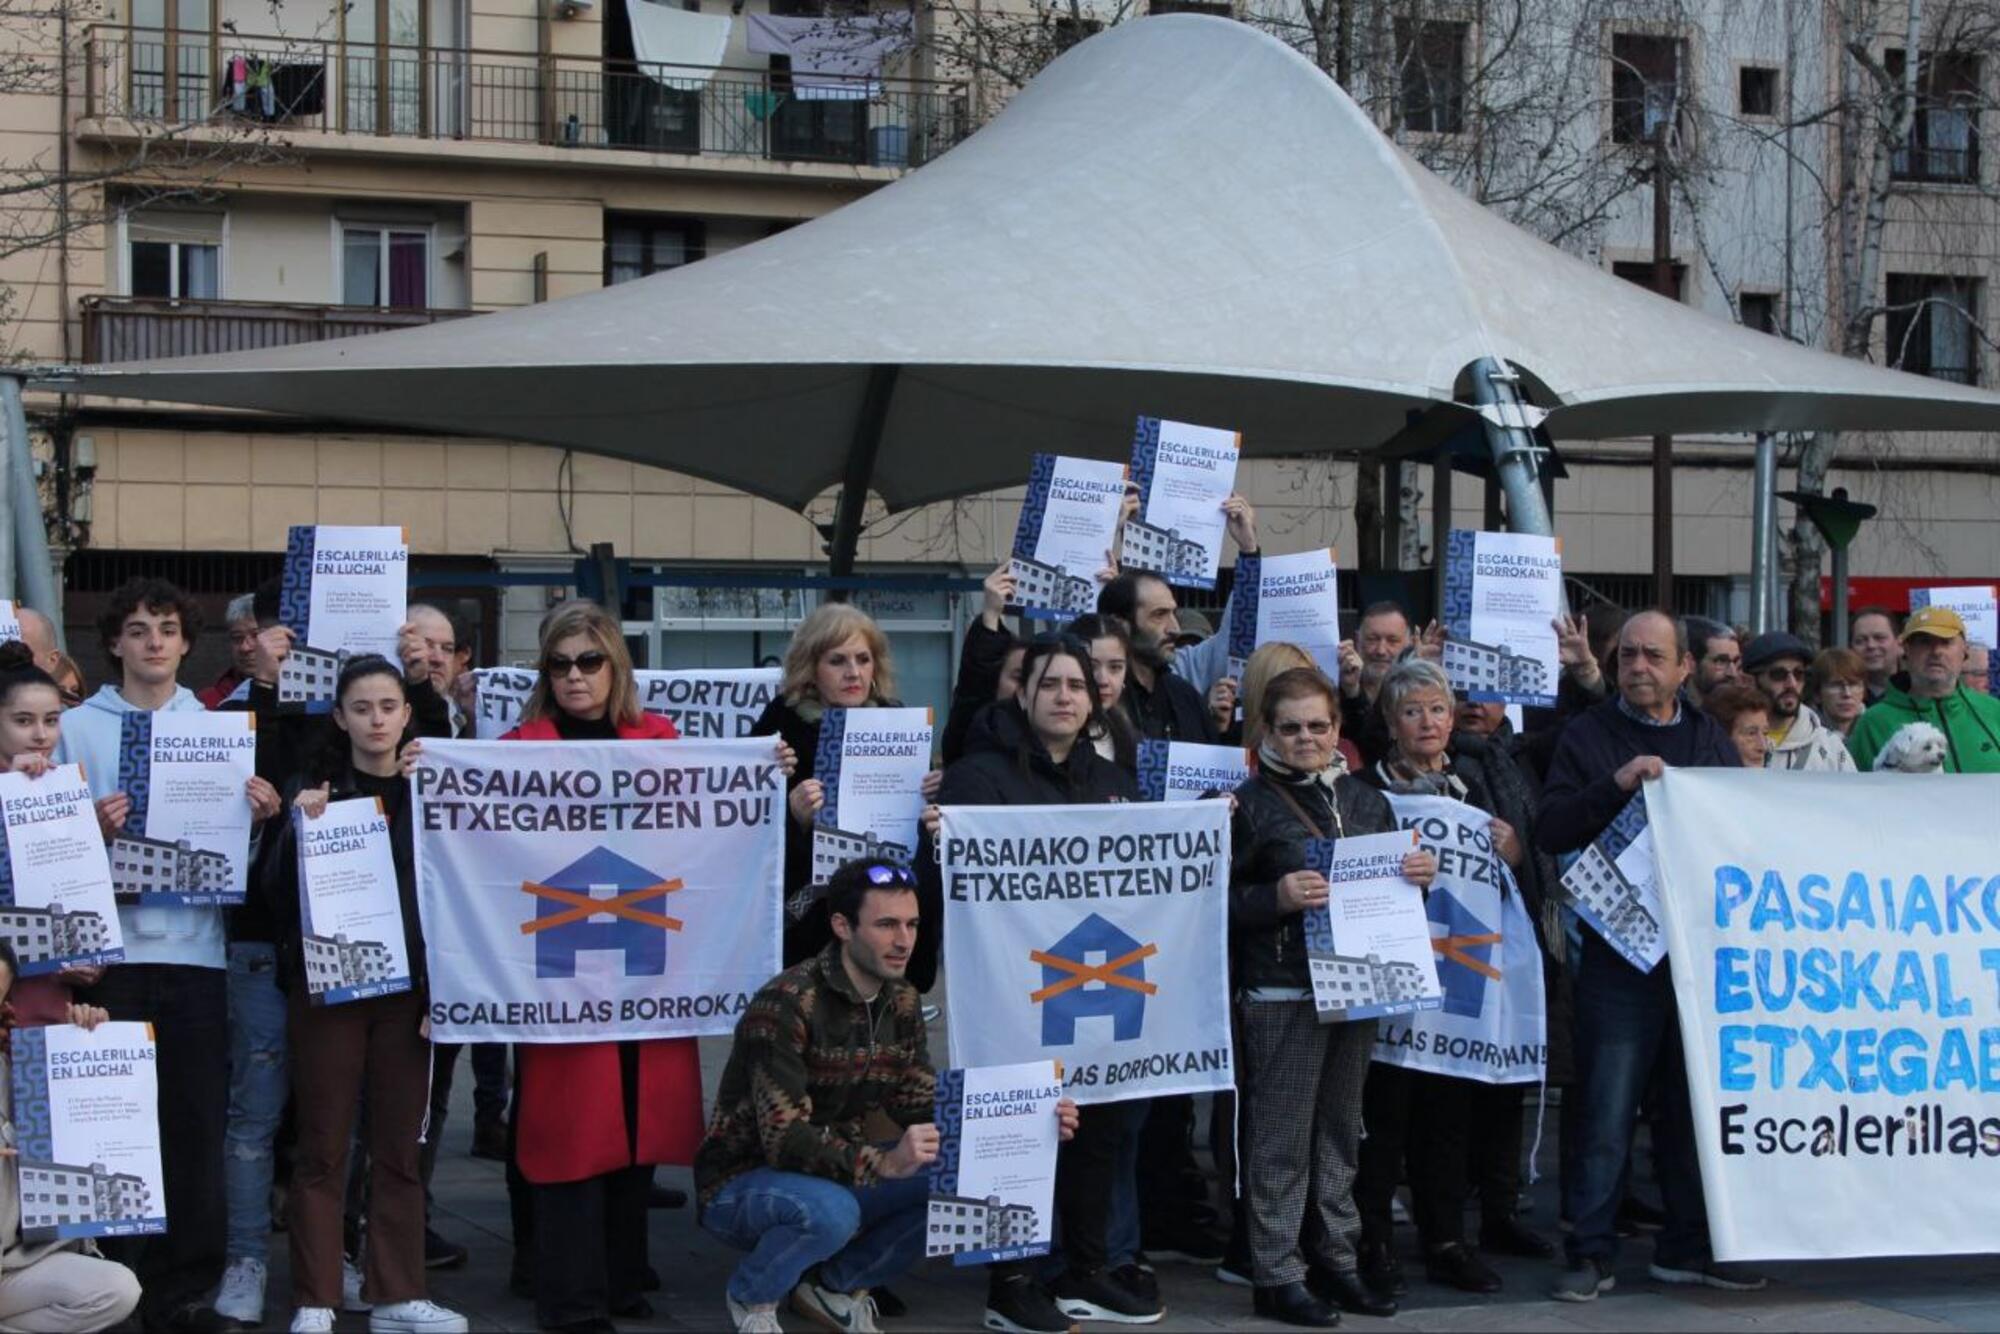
677	47
833	58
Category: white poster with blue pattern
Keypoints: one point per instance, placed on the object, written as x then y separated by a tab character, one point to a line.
56	902
1611	886
1182	473
1502	595
1369	948
350	911
186	840
87	1131
344	591
871	763
993	1183
1068	526
1189	770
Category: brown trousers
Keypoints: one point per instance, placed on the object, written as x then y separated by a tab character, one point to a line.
338	1053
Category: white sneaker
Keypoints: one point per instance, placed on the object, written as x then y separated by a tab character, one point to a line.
350	1287
312	1320
755	1319
416	1316
848	1312
240	1296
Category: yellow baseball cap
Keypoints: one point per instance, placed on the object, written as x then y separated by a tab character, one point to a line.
1937	622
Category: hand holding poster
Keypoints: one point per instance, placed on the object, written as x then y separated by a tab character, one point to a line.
597	891
1502	594
1832	955
10	622
1289	599
711	703
345	591
1491	1024
872	763
1189	770
1069	521
1370	947
1611	887
87	1129
993	1183
187	838
1093	935
56	904
1183	474
349	907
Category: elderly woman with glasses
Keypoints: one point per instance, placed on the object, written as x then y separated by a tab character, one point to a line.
1299	1081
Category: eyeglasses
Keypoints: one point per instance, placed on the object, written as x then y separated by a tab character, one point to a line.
1784	673
590	664
1294	729
887	873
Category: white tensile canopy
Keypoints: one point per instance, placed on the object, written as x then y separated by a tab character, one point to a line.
1181	217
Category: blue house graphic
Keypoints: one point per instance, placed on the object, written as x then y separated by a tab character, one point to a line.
643	943
1463	938
1125	1005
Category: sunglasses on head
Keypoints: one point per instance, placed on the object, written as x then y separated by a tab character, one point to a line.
590	664
888	873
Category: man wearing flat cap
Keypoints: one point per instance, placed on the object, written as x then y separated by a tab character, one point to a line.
1776	662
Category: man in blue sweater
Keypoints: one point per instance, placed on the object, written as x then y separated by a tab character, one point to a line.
1628	1032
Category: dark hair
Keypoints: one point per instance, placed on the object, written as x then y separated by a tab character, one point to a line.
462	634
1120	597
1300	683
1123	731
1385	609
848	887
155	595
1062	645
18	670
1731	700
266	601
10	960
1697	631
362	666
1854	619
1101	625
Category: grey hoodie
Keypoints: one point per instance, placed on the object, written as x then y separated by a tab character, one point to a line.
1810	745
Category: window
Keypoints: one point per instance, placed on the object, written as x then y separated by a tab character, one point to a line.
1070	29
1944	133
1758	310
1220	8
176	269
385	266
1645	85
635	247
1431	57
1756	91
1932	321
1640	272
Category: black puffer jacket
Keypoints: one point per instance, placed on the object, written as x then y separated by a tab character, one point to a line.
1267	946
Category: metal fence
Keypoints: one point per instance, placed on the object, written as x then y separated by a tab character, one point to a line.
136	328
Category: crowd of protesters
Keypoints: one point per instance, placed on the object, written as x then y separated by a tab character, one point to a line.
812	1159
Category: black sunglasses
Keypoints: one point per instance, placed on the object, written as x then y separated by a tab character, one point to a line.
888	873
590	664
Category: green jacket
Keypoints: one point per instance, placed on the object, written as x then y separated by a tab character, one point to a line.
1970	723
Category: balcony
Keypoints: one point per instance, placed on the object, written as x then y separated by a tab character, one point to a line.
150	76
137	328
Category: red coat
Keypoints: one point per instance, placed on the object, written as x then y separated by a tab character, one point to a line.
572	1116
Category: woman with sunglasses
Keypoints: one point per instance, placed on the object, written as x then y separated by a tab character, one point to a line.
1299	1081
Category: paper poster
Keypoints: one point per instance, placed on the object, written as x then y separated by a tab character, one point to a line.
872	764
10	622
345	590
499	696
56	904
707	702
1069	524
1975	605
187	840
1492	1022
1288	599
993	1184
587	891
1370	947
1183	474
1189	770
1503	592
1611	886
350	912
1834	972
87	1131
1093	935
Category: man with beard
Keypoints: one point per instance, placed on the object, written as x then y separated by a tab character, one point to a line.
1872	634
1164	705
1777	663
1717	655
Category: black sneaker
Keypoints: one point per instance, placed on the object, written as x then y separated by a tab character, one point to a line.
1017	1304
1582	1281
1186	1241
1098	1296
442	1254
1456	1265
1138	1280
1381	1270
489	1140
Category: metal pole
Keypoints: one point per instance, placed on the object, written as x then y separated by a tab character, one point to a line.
1440	525
28	547
1517	455
1663	445
14	421
1839	596
1763	517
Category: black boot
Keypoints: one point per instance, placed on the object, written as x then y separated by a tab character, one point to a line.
1510	1236
1381	1270
1344	1288
1456	1265
1294	1304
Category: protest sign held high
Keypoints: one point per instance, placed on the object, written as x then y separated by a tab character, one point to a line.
1069	520
1839	999
345	590
1093	935
872	763
587	891
1290	599
1183	474
1502	593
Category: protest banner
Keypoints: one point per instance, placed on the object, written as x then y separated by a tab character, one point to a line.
351	913
10	622
1189	770
872	764
1369	948
344	590
87	1131
1183	474
499	695
597	891
1502	594
1093	935
1611	887
1492	1022
1288	599
993	1183
1068	525
711	703
1977	605
186	840
56	903
1831	948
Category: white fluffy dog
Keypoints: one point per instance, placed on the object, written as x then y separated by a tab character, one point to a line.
1916	748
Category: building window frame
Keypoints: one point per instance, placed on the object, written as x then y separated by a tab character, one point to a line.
693	233
1943	144
1776	91
1920	310
1623	100
385	228
1443	99
1757	296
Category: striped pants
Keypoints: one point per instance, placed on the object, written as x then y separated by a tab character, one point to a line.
1301	1084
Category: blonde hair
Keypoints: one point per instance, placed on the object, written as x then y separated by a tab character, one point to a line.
578	617
1266	663
830	625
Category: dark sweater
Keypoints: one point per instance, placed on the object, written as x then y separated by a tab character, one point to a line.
1582	796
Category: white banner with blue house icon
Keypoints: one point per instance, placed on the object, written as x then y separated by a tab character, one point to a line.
1092	935
87	1132
1492	1024
588	891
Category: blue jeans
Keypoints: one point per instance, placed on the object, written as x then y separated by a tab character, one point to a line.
790	1222
1628	1040
257	1092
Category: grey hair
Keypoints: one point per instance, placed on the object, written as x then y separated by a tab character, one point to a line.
243	608
1409	677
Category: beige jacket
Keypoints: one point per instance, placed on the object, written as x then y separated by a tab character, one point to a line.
1810	745
16	1254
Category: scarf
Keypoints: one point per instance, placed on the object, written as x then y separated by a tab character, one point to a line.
1271	764
1408	782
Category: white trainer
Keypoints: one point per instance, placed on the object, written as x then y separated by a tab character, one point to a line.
350	1287
312	1320
240	1296
848	1312
415	1316
755	1319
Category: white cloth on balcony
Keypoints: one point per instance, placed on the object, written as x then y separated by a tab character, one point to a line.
832	58
677	47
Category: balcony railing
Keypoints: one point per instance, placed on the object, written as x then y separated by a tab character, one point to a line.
513	97
135	328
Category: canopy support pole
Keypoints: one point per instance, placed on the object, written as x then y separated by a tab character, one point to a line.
1763	534
14	423
845	539
1517	454
33	575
